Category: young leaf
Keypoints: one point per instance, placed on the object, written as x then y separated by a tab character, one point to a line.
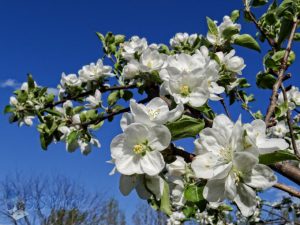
165	205
275	157
193	193
257	3
113	97
247	41
185	127
212	27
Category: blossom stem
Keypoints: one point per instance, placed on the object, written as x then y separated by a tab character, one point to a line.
287	170
225	108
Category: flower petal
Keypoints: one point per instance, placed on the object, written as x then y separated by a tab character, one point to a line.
261	177
152	163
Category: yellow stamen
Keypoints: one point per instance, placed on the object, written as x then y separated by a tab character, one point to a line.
184	90
139	149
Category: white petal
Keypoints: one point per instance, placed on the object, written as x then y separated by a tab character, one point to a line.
152	163
126	120
230	187
214	190
129	165
261	177
159	137
203	165
244	161
245	199
127	183
116	146
271	145
175	113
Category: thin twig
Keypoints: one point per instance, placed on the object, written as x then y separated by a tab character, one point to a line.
280	78
246	108
288	189
225	108
288	118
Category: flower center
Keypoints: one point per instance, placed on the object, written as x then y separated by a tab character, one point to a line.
149	64
185	90
226	154
139	149
153	113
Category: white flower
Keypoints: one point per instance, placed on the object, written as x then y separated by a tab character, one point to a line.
176	185
177	168
232	171
135	45
137	150
70	80
280	130
191	79
94	71
94	101
84	146
27	120
156	112
13	101
256	138
293	97
232	63
176	218
142	184
180	38
152	60
131	69
183	38
219	39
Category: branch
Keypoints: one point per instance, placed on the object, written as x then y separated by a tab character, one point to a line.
110	115
288	118
271	41
287	170
288	189
225	108
281	76
87	93
188	157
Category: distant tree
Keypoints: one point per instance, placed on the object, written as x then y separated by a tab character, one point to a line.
145	215
54	201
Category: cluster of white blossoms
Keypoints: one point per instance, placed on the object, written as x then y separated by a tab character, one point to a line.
219	39
87	75
181	39
227	156
293	97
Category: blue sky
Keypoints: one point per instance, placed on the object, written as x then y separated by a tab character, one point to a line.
47	38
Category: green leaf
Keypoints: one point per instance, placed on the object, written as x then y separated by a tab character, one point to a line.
297	37
229	32
281	110
165	205
30	82
77	109
101	37
285	30
257	3
235	15
247	41
127	95
119	38
8	109
212	27
278	156
265	81
53	112
186	126
73	136
113	97
97	126
193	193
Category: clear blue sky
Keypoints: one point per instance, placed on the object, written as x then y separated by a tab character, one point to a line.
47	38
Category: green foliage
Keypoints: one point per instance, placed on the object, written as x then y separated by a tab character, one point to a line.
186	126
247	41
193	193
278	156
265	80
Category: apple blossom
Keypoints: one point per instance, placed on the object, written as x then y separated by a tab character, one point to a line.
293	96
154	113
70	80
137	150
280	129
131	70
94	71
151	60
94	101
231	62
135	45
219	38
